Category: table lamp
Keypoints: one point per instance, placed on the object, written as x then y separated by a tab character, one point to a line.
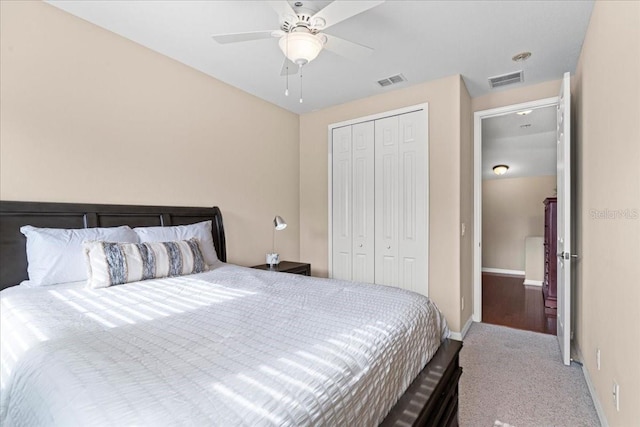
278	224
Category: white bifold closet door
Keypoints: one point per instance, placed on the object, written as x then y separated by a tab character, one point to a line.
379	202
401	201
353	202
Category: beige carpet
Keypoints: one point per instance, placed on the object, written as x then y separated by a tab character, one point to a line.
516	378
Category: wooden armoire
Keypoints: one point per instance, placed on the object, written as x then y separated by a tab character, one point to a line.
549	288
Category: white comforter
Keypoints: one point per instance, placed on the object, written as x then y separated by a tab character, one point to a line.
233	346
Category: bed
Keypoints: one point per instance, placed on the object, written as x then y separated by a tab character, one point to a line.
229	346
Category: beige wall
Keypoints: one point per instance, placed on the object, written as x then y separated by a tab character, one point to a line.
89	116
443	96
534	260
512	209
607	112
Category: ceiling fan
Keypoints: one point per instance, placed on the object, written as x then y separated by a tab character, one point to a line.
300	36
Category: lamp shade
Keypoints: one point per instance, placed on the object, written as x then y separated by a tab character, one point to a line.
500	169
279	223
301	47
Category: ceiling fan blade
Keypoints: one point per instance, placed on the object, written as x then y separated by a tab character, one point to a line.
282	8
243	37
288	67
338	11
346	48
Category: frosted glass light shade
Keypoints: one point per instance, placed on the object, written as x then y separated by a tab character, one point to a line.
500	169
301	47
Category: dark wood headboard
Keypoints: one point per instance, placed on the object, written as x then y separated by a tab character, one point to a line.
13	215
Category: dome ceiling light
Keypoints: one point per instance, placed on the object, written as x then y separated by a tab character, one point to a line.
500	169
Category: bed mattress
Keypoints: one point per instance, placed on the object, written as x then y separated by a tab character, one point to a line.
232	346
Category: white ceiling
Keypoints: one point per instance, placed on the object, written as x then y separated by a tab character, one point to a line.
423	40
527	150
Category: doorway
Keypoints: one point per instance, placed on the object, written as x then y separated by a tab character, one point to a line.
504	259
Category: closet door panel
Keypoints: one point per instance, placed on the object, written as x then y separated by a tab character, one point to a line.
342	203
363	202
386	201
412	200
408	271
388	271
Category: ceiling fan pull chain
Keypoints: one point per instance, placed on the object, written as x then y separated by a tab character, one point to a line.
286	91
300	83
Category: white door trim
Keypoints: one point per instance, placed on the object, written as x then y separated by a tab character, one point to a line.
477	189
330	127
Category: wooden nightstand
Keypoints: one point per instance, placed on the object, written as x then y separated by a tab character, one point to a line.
287	267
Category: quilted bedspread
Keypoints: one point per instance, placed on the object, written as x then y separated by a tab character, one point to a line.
232	346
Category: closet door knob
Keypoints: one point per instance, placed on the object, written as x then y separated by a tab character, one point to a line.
360	245
388	247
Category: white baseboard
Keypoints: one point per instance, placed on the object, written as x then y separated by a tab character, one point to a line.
592	390
460	335
530	282
503	271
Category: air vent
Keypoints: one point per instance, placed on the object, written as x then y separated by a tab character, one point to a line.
398	78
506	79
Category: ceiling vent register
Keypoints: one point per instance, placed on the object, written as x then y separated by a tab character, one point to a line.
506	79
398	78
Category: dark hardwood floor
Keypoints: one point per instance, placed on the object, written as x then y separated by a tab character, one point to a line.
507	302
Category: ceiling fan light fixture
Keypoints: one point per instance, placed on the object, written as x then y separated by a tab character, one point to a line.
301	47
520	57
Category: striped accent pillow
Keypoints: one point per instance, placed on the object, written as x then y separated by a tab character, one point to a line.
117	263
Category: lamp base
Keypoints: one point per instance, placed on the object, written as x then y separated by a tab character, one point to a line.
273	259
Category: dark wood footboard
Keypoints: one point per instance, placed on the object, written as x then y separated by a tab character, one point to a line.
432	398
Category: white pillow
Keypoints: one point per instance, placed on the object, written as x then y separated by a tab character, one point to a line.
199	230
117	263
55	255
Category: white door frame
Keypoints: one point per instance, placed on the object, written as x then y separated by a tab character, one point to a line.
477	188
409	109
